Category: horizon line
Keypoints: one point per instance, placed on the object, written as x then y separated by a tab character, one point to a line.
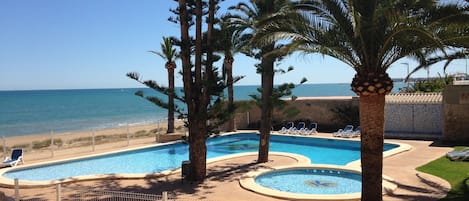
396	80
143	87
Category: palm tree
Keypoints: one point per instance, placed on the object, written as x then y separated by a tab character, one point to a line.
229	44
247	22
169	54
369	36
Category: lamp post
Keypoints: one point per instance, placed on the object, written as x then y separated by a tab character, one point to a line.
407	80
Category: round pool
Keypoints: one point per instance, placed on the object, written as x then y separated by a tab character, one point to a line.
308	182
312	181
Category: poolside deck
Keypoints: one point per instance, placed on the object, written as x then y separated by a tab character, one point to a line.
222	181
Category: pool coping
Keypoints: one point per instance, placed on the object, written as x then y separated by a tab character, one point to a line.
7	182
357	163
248	182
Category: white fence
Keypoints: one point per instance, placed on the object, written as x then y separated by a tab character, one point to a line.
86	194
49	146
111	196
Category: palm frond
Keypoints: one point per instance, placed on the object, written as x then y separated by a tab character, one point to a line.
370	35
440	58
167	51
158	53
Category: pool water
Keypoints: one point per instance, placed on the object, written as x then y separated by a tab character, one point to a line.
167	157
311	181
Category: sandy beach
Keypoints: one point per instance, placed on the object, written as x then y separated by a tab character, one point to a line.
80	141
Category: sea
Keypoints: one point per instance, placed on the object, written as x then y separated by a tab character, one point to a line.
45	111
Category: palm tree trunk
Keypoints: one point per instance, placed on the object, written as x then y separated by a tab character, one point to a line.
267	76
171	101
229	75
267	66
372	136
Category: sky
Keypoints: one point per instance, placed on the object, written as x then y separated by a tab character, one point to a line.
82	44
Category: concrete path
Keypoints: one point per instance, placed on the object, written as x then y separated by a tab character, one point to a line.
414	185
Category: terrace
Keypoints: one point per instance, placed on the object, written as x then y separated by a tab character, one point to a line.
223	179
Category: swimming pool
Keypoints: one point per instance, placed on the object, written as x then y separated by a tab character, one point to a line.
309	182
167	157
312	181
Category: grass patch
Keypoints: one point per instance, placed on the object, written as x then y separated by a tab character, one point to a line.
102	139
98	139
46	143
155	131
141	133
21	146
80	139
455	172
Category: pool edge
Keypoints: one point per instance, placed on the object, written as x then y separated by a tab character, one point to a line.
248	183
9	183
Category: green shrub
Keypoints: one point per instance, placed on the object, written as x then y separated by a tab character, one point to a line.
431	85
141	133
347	114
22	146
99	138
118	136
46	143
80	139
291	112
58	142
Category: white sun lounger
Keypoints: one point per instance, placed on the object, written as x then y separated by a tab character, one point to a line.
341	132
299	128
287	128
16	157
459	155
353	133
312	129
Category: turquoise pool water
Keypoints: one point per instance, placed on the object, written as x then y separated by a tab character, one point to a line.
312	181
160	158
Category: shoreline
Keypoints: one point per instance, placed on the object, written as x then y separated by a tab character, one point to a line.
104	125
11	141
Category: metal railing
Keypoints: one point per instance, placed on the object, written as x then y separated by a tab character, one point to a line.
86	194
58	144
111	196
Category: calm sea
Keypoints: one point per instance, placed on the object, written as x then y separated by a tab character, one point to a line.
43	111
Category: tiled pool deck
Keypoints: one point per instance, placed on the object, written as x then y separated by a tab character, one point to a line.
222	182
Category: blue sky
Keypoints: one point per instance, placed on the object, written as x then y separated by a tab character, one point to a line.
73	44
